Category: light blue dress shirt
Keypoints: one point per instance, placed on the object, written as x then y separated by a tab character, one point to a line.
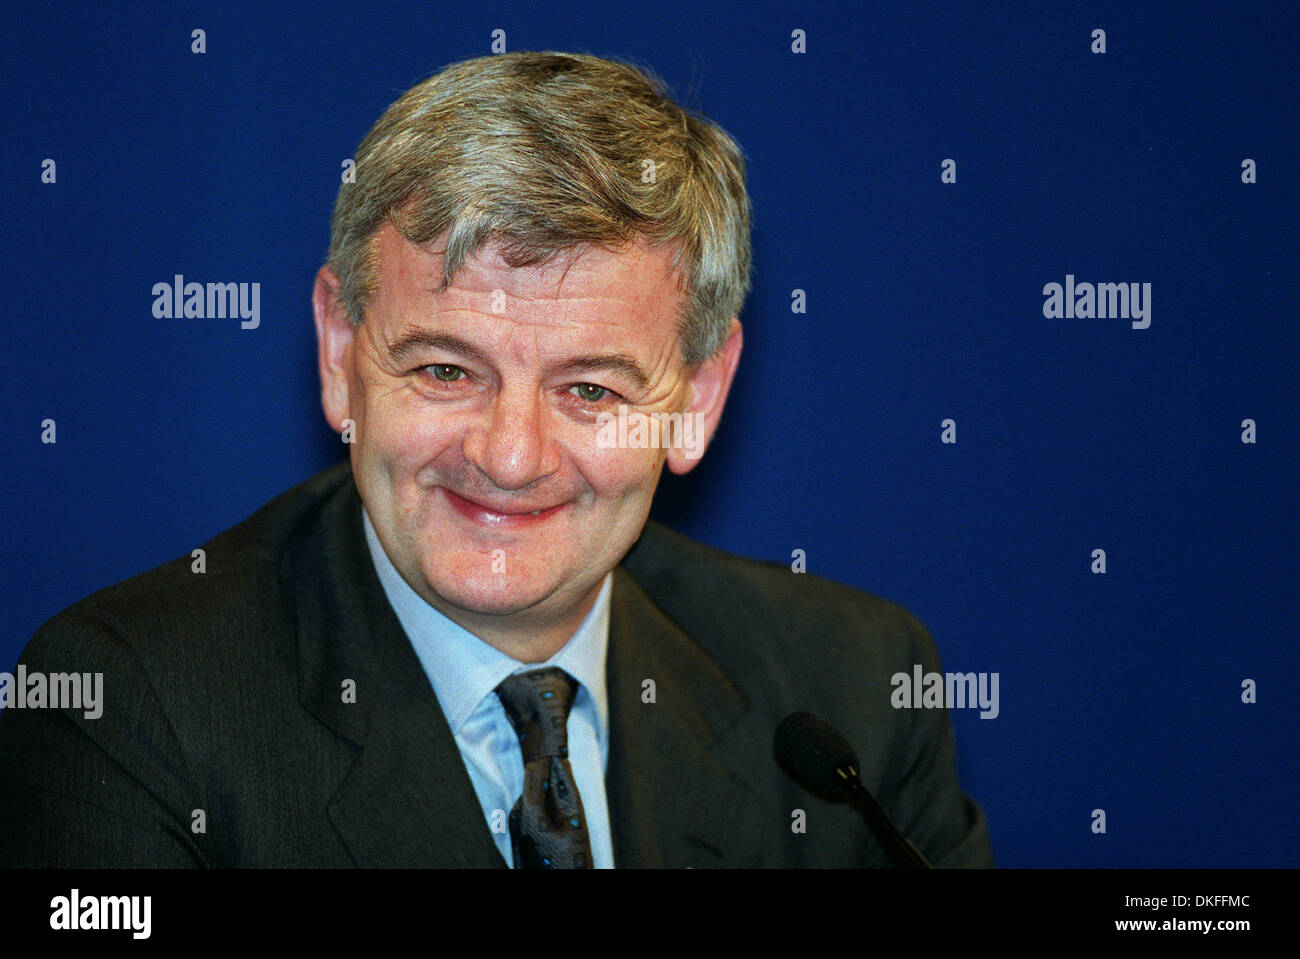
465	672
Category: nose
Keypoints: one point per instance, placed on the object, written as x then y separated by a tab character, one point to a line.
513	445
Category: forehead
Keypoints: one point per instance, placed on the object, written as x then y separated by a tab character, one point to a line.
635	283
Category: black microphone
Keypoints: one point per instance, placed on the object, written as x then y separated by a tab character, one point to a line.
820	758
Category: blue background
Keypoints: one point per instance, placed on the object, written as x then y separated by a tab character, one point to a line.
1118	691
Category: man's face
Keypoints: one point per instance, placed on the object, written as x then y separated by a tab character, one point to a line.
475	411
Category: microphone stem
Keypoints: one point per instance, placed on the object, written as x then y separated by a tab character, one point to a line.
900	847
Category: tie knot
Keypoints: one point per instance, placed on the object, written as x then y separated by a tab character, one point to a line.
537	704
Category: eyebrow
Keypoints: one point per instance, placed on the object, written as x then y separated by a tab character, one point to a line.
415	341
613	362
412	342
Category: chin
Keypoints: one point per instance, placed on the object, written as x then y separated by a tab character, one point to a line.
486	593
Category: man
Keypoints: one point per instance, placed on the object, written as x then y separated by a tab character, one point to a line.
467	647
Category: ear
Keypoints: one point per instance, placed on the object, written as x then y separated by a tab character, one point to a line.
334	333
710	383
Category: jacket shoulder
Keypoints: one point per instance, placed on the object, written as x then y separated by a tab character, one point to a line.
724	600
249	549
177	600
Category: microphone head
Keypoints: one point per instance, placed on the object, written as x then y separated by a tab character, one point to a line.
812	750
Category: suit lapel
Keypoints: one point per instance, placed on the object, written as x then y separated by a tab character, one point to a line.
673	802
407	799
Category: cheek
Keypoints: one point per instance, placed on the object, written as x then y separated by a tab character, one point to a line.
620	472
409	434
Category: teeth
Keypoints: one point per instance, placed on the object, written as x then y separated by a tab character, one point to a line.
536	512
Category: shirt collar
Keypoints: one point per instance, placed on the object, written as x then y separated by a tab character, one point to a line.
464	670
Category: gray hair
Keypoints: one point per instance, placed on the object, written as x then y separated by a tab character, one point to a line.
546	152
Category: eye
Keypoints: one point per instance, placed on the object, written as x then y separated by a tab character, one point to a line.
589	392
446	372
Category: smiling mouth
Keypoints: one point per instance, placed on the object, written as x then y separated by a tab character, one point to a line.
500	517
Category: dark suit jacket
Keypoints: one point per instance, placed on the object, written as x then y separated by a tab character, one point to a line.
223	693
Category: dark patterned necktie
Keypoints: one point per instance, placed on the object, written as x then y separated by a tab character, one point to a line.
547	825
